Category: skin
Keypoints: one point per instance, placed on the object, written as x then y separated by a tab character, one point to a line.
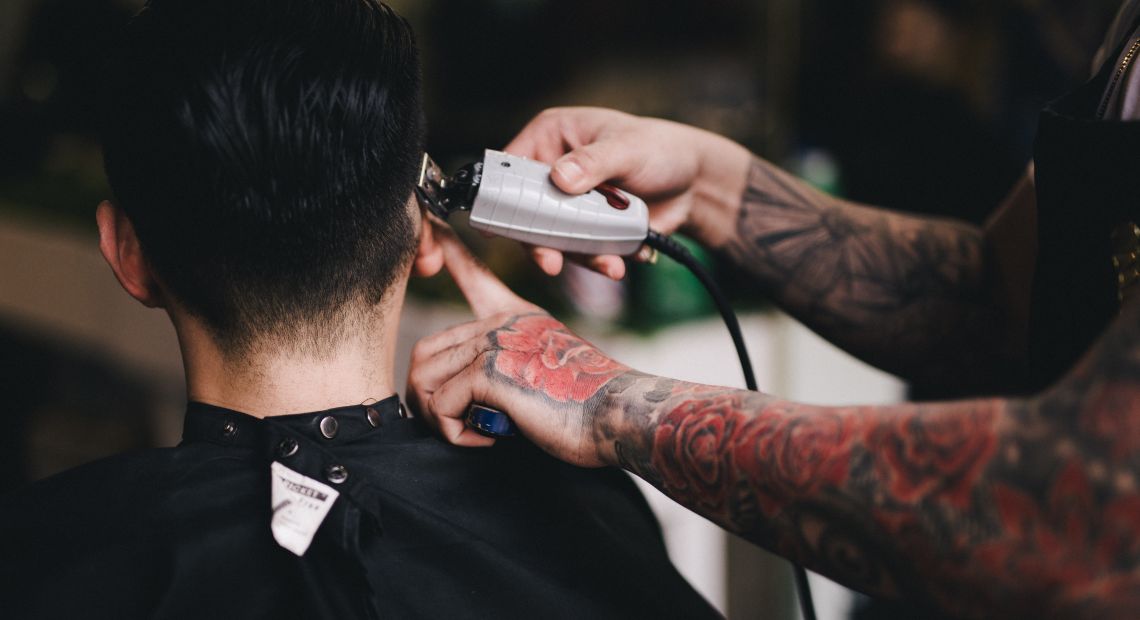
272	378
987	507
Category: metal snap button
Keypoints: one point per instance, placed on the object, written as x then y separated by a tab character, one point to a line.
373	416
229	428
336	474
287	448
329	426
404	411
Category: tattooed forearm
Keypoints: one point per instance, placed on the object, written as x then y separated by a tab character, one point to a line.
908	294
988	508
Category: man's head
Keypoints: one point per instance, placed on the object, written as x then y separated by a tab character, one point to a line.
264	152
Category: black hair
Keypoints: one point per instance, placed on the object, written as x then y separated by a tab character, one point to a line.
265	152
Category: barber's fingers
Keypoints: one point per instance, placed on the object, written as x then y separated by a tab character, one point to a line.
456	431
548	136
484	292
551	262
429	346
437	360
544	148
668	215
580	146
453	425
594	163
447	406
613	267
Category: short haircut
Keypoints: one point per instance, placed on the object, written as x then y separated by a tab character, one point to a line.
265	152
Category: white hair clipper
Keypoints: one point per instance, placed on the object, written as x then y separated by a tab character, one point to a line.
514	197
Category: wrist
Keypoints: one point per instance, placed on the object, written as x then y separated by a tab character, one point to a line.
619	419
627	418
722	177
608	425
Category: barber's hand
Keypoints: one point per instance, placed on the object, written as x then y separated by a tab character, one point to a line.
691	179
516	358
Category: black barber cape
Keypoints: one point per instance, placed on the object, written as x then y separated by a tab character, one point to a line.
420	529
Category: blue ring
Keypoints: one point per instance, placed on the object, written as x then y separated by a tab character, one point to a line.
489	422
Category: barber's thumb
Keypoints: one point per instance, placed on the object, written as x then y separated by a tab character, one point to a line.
583	169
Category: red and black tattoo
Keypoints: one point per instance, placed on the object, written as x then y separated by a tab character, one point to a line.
537	353
986	508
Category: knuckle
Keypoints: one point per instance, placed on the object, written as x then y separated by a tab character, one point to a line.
480	360
421	348
585	157
431	404
418	351
551	112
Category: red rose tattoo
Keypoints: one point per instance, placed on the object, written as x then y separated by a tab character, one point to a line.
795	455
701	448
538	353
691	451
928	452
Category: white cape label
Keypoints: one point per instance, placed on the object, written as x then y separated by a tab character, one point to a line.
300	504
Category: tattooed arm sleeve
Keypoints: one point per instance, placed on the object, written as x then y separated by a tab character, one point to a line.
993	508
909	294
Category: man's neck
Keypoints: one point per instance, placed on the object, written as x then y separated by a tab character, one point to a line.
274	381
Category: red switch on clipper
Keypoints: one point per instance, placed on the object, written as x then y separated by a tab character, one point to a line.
613	196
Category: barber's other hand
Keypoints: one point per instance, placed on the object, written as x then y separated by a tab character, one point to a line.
514	357
691	179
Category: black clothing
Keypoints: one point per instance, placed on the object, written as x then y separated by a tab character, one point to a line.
1088	184
420	529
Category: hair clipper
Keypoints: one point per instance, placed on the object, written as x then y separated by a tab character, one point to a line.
514	197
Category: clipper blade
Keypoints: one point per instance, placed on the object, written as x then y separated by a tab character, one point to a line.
430	188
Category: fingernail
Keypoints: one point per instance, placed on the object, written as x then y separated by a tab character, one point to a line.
570	171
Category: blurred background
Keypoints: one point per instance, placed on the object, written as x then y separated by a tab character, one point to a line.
920	105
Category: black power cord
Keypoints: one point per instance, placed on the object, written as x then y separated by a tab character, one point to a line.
669	247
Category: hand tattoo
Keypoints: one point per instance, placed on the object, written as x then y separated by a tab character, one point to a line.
987	508
536	353
908	294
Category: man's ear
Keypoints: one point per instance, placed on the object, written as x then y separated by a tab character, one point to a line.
122	251
429	254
